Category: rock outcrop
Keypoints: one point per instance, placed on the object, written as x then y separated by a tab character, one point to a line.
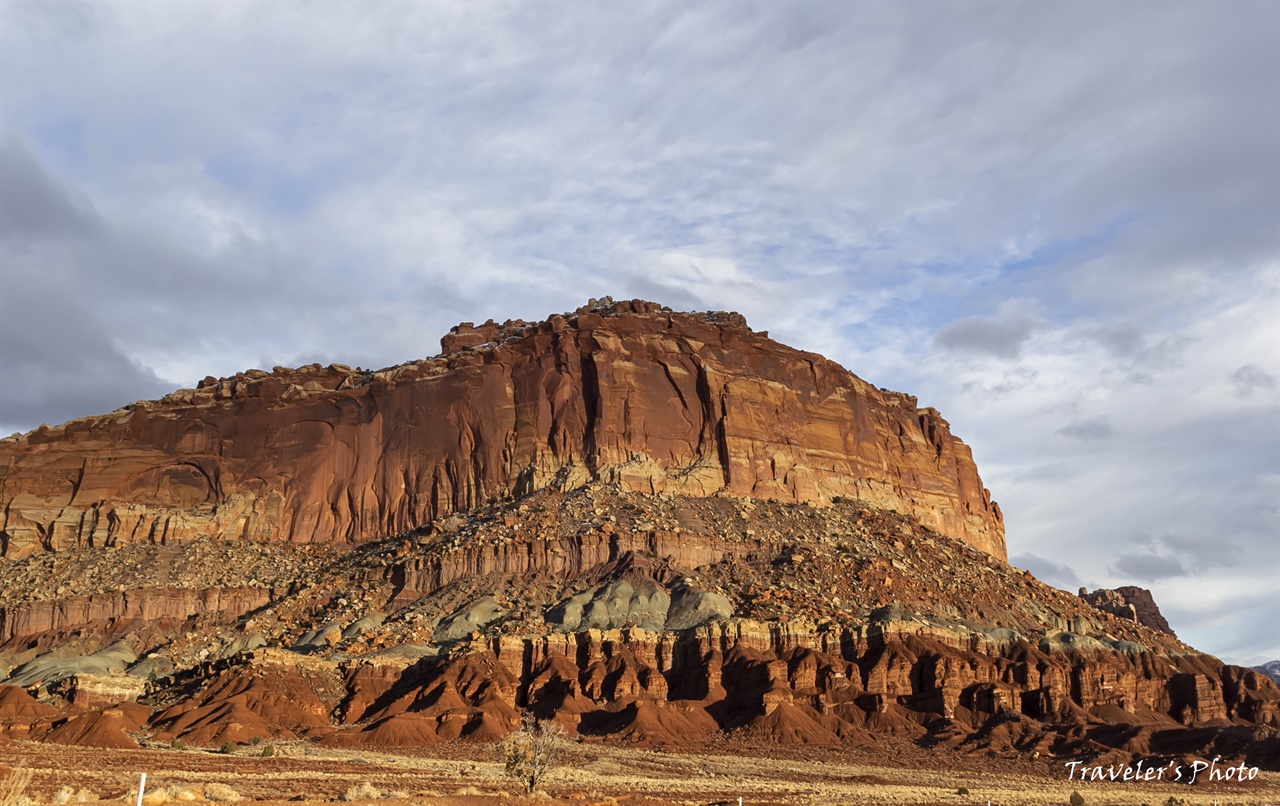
1129	602
629	393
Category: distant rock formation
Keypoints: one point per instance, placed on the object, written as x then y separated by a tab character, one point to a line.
1129	602
1271	669
626	392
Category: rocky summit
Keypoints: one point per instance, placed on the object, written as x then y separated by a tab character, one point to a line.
651	527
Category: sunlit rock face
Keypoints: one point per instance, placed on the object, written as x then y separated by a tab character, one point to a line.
630	393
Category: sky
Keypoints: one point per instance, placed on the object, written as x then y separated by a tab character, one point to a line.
1057	223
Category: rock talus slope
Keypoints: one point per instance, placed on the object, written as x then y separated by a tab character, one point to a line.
631	393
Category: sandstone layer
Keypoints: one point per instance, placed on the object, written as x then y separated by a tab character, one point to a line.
630	392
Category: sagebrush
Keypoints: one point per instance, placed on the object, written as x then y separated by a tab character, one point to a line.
532	753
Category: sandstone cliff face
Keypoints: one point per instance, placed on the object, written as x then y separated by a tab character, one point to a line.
629	393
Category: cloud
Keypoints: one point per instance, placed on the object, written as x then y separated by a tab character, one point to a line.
1001	336
1147	567
33	205
1074	260
100	310
1250	378
59	358
1060	575
1122	340
1088	429
1198	552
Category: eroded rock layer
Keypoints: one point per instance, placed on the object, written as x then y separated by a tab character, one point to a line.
654	619
630	393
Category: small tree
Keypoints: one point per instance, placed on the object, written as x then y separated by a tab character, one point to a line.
533	752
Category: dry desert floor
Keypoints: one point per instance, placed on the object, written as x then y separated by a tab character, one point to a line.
471	774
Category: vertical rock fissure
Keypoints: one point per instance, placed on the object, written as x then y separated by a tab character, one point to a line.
591	401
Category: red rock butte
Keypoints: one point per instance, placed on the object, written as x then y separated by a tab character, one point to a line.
631	393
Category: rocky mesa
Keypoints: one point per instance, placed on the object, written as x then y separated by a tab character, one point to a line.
653	527
629	392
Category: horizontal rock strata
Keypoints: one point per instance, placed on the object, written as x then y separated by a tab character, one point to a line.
792	683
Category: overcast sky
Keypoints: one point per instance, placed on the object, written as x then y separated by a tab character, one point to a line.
1055	222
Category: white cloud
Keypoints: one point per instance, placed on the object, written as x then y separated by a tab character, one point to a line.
1075	259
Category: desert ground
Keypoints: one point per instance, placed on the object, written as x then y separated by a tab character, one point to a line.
472	774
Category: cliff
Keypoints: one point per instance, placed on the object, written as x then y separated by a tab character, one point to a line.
629	392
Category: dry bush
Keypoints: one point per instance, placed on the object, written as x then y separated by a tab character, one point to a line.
532	753
361	791
220	792
12	787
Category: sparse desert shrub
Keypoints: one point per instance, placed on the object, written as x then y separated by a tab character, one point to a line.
155	797
532	753
361	791
68	795
227	748
220	793
254	741
962	790
1076	799
268	751
12	787
178	744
